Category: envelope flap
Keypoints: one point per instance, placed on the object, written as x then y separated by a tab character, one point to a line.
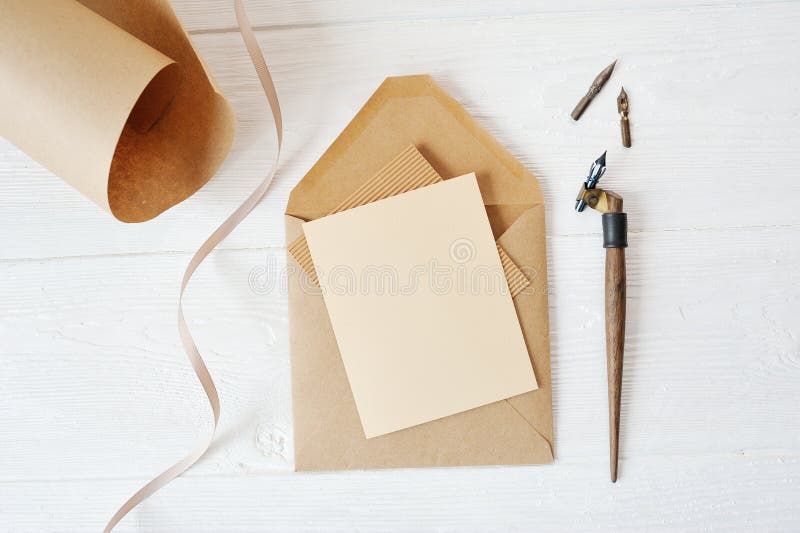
412	110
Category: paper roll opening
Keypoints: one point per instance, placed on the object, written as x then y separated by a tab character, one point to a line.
155	98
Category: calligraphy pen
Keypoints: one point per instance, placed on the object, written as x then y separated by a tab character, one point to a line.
615	240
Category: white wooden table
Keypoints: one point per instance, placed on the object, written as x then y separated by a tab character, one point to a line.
96	395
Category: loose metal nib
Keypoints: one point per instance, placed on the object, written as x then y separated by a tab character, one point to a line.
624	124
597	84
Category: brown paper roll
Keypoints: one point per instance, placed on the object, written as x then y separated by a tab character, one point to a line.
110	96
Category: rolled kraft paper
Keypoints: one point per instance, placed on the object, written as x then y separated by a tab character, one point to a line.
110	96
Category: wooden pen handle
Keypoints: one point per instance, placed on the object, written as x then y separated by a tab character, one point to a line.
615	240
615	344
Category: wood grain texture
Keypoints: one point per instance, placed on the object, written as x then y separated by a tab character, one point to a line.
97	396
687	494
215	15
701	105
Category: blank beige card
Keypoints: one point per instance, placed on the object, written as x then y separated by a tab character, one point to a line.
420	306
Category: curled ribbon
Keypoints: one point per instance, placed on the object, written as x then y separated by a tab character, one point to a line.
189	346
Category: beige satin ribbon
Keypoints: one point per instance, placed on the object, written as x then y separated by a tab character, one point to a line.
199	366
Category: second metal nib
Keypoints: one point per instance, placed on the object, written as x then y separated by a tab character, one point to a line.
624	124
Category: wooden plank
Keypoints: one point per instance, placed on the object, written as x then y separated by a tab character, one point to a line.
215	15
91	356
713	492
699	113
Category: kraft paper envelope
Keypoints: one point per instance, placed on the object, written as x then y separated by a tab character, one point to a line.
110	96
420	306
327	429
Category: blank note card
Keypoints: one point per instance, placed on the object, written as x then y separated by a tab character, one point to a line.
420	306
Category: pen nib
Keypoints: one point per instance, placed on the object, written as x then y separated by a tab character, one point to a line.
601	161
622	101
594	88
596	172
624	123
605	74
